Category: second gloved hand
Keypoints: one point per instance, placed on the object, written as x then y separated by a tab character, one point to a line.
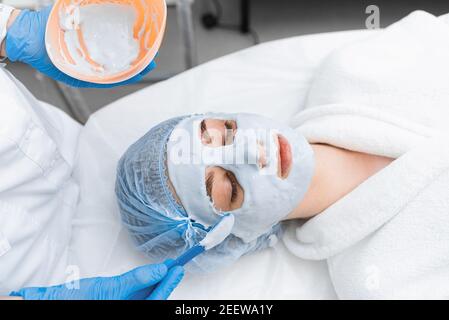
25	42
149	282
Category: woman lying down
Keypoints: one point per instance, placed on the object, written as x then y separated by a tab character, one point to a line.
362	181
186	173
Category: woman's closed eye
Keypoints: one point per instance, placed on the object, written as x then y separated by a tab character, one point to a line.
217	132
223	189
234	184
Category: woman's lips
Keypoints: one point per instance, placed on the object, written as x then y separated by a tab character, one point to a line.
285	157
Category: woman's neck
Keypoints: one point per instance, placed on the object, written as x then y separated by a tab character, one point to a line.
337	172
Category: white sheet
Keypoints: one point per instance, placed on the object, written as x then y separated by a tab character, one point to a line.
270	79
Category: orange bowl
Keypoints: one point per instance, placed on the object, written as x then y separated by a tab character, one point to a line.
148	31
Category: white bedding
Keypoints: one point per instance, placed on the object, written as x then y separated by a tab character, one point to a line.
386	95
270	79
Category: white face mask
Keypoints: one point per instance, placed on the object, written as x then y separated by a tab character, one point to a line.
267	198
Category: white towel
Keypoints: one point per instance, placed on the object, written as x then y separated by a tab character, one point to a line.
386	95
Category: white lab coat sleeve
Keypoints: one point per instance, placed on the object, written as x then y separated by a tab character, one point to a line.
37	193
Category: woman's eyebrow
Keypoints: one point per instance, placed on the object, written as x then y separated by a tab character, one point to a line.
209	183
203	126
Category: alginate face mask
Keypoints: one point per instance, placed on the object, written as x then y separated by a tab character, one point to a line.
268	198
99	37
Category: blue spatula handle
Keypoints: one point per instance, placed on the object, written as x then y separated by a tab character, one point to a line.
188	255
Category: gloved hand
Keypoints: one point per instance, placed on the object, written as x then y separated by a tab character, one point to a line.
25	42
149	282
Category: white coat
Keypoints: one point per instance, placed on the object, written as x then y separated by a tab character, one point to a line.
38	195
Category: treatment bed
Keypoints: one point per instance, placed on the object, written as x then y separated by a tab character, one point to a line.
270	79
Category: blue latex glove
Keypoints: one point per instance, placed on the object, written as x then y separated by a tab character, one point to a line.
149	282
25	42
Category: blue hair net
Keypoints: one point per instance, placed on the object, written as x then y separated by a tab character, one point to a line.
158	224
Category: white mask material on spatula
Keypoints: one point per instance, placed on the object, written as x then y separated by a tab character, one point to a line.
268	198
